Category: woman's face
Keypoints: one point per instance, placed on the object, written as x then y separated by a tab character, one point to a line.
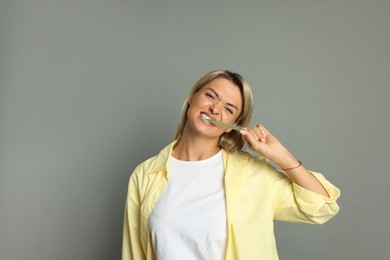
221	100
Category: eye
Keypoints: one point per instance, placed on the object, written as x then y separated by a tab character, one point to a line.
229	110
210	96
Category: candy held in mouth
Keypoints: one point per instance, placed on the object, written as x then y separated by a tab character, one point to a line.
216	122
205	117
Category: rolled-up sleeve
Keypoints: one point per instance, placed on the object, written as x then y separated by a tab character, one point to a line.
294	203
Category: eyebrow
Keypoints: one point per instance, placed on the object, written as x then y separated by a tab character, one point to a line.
229	104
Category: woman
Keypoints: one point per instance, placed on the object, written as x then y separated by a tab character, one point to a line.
202	197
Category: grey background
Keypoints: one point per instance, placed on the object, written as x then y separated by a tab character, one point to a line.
90	89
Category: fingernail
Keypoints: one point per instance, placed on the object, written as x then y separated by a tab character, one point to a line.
263	140
242	132
263	132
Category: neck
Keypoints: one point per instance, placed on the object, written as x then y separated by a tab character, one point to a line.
192	148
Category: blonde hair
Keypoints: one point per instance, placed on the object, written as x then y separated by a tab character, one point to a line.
231	141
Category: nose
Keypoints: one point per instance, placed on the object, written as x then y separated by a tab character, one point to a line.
216	108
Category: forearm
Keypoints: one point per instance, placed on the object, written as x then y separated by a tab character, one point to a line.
300	175
263	142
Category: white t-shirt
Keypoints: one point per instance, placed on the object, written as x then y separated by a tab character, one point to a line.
189	219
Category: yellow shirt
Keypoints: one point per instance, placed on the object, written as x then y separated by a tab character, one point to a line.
256	194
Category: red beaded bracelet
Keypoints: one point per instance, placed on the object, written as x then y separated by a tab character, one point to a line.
300	163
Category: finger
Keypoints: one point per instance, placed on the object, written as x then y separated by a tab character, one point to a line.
247	136
253	134
264	132
253	137
243	131
258	132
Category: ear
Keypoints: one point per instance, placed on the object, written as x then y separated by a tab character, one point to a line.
189	101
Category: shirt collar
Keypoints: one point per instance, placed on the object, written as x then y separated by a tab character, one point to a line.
162	160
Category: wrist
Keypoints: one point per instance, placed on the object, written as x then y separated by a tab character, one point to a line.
299	164
287	162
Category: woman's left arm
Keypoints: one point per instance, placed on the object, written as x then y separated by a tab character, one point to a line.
264	143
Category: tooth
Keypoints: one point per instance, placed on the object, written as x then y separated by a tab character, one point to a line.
206	117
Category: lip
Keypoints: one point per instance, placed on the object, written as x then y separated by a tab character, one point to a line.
208	115
204	120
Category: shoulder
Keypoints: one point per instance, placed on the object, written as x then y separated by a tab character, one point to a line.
153	164
144	167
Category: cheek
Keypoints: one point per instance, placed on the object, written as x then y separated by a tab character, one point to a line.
236	119
191	111
197	104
